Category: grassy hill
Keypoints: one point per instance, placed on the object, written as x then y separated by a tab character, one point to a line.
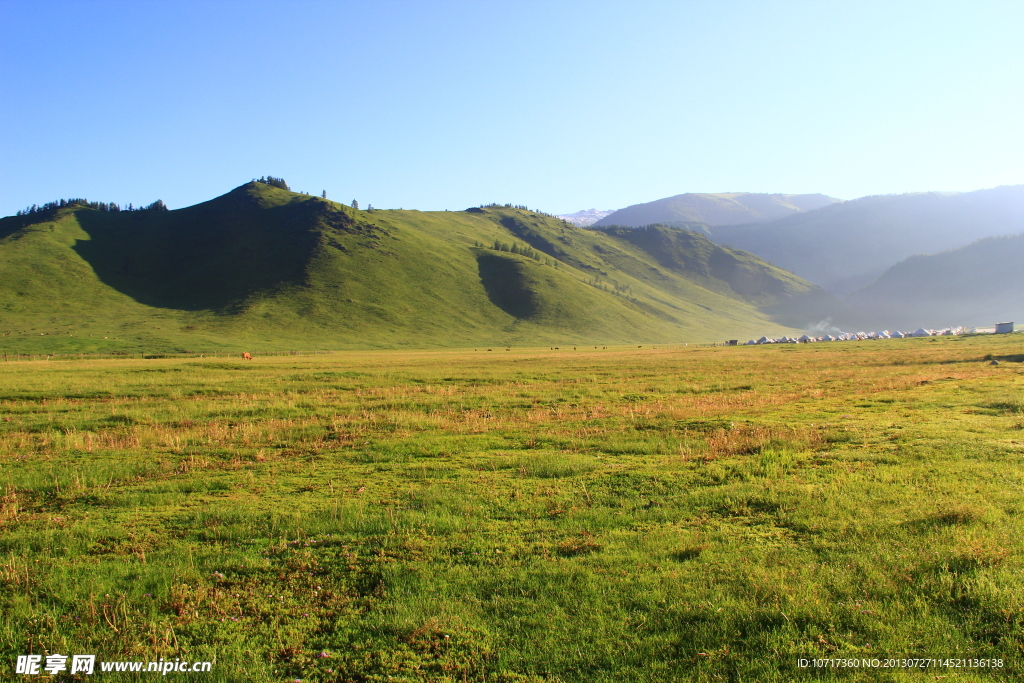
846	246
724	208
265	268
976	285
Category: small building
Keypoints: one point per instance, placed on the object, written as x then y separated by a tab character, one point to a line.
732	342
1004	328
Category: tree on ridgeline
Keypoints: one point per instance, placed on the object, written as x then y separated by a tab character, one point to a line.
110	207
355	204
274	182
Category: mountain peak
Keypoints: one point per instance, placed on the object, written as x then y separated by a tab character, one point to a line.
585	217
721	208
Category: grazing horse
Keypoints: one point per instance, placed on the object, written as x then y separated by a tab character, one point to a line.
246	356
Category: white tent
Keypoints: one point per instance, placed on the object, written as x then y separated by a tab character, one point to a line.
920	332
750	342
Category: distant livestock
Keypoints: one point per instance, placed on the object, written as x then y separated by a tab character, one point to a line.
246	356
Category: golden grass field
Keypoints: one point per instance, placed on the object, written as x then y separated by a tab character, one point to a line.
621	514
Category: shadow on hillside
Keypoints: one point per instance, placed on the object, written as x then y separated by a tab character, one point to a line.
200	258
506	287
12	224
533	237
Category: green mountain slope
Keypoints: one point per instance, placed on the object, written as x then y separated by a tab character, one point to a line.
724	208
846	246
977	285
262	268
734	273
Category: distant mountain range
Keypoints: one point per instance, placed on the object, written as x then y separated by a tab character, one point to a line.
725	208
263	267
870	250
585	217
846	246
976	285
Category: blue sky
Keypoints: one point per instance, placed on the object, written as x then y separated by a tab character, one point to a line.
560	105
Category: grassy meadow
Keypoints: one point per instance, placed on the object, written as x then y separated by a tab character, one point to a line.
572	515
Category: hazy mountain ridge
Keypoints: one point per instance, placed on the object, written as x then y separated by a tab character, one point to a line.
976	285
724	208
846	246
263	265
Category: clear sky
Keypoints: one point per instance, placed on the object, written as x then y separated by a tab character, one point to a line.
560	105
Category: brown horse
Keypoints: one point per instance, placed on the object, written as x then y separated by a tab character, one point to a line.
246	356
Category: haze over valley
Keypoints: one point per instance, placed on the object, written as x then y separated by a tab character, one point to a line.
859	249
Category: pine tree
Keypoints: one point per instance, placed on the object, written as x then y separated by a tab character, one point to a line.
274	182
355	204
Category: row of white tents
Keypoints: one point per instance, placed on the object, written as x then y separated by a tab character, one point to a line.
850	336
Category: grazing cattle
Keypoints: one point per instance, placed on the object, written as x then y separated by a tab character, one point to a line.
246	356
